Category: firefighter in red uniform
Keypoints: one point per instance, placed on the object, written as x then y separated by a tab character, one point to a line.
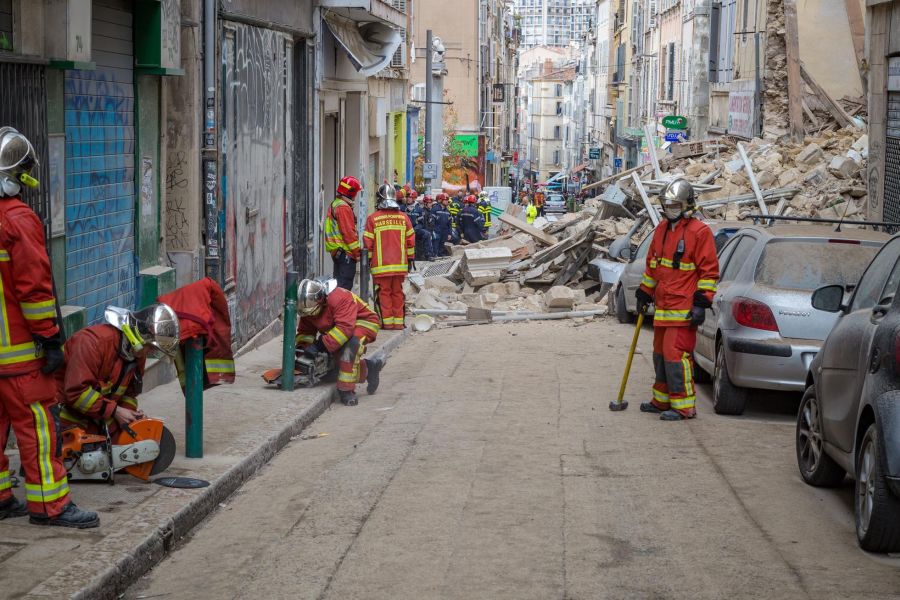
680	279
391	241
105	365
341	240
30	351
347	325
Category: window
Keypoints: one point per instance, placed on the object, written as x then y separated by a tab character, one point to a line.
559	108
558	90
738	257
556	157
556	132
670	73
868	291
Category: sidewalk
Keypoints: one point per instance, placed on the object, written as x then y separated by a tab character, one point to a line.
245	424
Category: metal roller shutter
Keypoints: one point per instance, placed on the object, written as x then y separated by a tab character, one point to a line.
99	114
892	160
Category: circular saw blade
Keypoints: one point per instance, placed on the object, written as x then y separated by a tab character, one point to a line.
166	452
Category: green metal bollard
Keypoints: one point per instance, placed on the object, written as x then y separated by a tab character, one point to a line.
289	346
194	398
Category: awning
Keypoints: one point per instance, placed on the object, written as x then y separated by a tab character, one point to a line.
370	46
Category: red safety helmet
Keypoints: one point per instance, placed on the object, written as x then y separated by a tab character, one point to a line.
427	199
349	187
442	197
471	199
413	194
400	195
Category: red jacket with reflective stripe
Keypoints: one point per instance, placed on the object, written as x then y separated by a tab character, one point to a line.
341	211
391	242
98	378
29	307
344	315
203	311
671	285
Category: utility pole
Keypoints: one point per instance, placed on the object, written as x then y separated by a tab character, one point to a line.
429	85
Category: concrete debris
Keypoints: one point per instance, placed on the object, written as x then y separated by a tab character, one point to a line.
560	297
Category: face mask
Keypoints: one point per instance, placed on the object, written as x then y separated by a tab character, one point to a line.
673	213
9	187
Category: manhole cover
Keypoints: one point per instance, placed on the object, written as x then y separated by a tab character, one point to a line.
181	482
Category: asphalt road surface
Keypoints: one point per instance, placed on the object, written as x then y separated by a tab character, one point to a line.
488	466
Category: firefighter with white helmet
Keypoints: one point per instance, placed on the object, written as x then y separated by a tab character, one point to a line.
390	239
680	278
30	350
335	320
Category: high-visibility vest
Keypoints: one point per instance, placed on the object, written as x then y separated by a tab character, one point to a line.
391	241
334	235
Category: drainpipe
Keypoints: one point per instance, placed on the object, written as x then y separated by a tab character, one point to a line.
210	164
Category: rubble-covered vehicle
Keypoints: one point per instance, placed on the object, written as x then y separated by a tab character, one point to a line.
849	418
762	331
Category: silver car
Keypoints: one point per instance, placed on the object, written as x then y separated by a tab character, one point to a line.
555	203
622	302
762	331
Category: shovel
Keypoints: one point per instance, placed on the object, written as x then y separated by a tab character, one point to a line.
620	403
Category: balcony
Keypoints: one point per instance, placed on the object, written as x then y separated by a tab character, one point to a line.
364	10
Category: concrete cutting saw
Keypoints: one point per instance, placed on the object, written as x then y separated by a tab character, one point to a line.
143	448
307	371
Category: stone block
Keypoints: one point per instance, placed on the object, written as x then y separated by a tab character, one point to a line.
559	296
491	298
513	288
494	288
479	278
580	296
843	167
472	300
427	299
810	155
789	178
440	284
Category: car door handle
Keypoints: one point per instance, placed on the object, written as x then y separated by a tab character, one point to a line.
878	312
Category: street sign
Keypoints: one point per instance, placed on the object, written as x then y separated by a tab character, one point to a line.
429	170
617	163
674	122
676	136
594	153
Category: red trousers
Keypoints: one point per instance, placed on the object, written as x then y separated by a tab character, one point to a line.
352	368
25	402
391	301
673	350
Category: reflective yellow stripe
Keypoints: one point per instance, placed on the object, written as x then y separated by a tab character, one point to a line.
688	374
369	234
683	403
671	315
87	399
219	365
390	268
19	353
68	415
129	402
346	378
653	263
5	481
660	396
306	339
665	262
35	311
707	285
42	433
373	327
338	336
648	281
46	492
4	256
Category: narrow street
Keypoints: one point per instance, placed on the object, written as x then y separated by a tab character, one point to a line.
488	466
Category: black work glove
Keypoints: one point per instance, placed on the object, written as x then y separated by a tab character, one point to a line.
698	316
315	348
643	300
411	266
53	353
701	300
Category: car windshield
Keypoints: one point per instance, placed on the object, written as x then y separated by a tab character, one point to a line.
807	265
555	198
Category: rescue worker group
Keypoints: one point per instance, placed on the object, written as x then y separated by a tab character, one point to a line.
93	379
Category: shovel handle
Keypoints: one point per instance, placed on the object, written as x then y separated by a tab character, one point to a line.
634	339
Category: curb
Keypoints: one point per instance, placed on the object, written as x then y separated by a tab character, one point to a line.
125	571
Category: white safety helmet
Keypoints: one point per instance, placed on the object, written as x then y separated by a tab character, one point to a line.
156	326
385	198
311	295
677	198
17	160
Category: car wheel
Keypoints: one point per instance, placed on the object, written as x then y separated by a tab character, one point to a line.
816	467
877	509
621	308
728	399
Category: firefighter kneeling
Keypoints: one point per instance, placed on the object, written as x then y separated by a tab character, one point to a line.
680	278
347	325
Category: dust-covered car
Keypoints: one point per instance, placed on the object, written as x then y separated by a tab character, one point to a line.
555	204
762	330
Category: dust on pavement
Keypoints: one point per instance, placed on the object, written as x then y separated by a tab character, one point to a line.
488	466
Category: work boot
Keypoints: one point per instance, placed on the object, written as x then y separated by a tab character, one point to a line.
649	407
373	375
71	516
673	415
348	398
12	508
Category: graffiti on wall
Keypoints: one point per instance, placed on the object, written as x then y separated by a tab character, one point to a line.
176	202
171	33
256	132
100	178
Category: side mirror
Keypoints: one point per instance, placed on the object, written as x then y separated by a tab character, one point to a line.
829	298
626	253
